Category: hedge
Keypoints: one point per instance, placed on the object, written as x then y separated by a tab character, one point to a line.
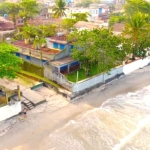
26	66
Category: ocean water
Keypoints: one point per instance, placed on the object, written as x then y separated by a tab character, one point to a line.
121	123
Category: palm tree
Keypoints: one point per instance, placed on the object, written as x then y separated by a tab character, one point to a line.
133	6
80	16
136	29
28	32
59	9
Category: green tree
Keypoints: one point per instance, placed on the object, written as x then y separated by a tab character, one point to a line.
137	29
96	47
68	23
29	8
116	18
3	8
27	32
80	16
11	9
75	17
59	9
9	63
133	6
48	30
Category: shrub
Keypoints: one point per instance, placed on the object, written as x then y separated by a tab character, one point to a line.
26	66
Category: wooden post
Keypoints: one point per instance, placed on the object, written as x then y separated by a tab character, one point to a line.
19	95
68	68
41	57
6	98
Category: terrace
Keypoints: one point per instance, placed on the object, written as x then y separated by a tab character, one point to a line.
28	49
62	39
65	65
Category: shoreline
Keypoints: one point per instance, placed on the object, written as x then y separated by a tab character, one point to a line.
30	134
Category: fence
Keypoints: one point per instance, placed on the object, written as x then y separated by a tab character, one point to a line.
96	80
57	77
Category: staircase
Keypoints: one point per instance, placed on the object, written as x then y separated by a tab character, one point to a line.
28	104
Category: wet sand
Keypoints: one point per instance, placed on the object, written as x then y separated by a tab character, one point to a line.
31	133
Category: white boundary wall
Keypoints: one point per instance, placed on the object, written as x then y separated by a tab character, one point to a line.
10	110
126	69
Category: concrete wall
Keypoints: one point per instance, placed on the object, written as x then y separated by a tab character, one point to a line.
36	53
33	60
64	53
100	79
96	80
49	44
135	65
10	110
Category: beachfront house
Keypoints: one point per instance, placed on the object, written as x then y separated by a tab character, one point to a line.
63	63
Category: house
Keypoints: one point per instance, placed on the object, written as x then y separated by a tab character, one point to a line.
5	24
30	54
59	41
64	66
19	22
118	28
44	19
57	48
105	17
63	63
94	11
73	10
81	25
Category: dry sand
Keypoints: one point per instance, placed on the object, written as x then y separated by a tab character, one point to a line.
30	133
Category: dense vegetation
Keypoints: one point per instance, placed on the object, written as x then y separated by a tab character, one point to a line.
101	48
9	63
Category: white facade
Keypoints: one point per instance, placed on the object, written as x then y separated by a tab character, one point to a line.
8	111
93	12
96	80
73	10
126	69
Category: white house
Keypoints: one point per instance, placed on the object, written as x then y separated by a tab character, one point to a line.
95	10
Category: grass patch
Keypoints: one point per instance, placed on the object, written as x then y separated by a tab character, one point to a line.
25	79
34	76
81	74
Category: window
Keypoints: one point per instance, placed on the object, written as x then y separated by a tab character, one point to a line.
28	57
18	54
20	21
62	46
74	63
55	45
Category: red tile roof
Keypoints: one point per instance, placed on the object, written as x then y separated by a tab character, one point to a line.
59	39
5	24
118	27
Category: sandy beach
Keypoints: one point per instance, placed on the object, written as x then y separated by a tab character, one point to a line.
31	133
